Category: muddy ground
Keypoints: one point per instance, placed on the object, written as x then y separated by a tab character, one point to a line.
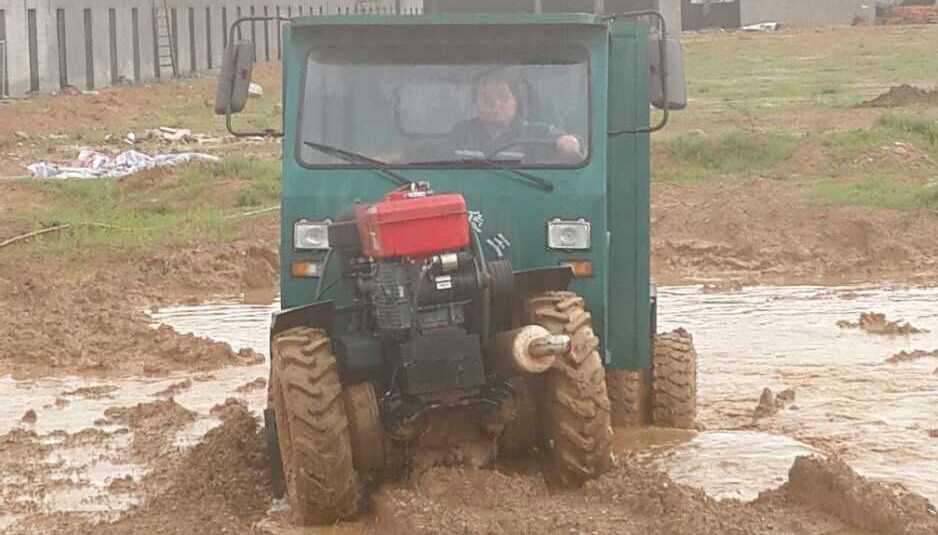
83	312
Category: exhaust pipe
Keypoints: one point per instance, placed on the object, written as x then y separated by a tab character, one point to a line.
530	349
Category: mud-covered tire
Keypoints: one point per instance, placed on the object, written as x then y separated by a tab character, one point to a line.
312	428
574	406
520	435
629	397
674	380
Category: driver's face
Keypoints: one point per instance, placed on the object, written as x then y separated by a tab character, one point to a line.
496	104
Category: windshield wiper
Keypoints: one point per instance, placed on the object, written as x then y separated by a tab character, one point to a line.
353	157
494	165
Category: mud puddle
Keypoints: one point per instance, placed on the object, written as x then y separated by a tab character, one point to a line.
84	459
848	400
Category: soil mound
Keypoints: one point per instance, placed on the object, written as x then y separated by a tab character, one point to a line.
903	95
630	499
108	337
876	323
906	356
153	425
219	487
768	234
832	486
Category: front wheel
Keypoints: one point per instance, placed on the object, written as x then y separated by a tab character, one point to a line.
674	380
312	428
574	403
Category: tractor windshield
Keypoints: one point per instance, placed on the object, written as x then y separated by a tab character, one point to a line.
437	106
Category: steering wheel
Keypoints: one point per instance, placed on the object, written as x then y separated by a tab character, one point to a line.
526	143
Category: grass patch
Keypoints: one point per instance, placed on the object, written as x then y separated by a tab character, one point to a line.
888	128
157	206
879	193
696	154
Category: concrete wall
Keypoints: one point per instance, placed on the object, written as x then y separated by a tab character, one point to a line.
93	43
806	12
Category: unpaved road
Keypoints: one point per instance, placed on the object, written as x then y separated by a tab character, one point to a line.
103	428
83	454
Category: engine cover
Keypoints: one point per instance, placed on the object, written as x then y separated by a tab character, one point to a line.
413	223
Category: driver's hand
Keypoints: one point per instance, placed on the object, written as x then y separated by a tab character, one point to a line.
569	145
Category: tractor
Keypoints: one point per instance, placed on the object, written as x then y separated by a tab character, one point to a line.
464	245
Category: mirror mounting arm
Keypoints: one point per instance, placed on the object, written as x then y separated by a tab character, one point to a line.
663	71
268	132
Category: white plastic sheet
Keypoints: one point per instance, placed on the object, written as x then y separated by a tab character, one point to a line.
94	164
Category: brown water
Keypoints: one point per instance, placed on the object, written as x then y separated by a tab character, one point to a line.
848	402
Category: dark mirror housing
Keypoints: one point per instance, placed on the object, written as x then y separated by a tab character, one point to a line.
234	80
673	73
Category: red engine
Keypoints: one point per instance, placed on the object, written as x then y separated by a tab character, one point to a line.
413	223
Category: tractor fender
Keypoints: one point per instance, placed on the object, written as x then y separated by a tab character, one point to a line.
317	315
533	281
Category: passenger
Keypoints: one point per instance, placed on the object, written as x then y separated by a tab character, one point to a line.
499	127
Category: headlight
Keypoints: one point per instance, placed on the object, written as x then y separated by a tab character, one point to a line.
311	235
569	235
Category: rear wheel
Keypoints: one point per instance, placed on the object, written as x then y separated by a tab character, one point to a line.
574	404
629	397
312	428
674	380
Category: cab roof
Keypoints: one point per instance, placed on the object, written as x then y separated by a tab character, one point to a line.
454	19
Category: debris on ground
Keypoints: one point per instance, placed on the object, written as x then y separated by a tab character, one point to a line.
255	90
906	356
29	417
770	404
174	389
93	392
903	95
933	433
231	408
171	135
762	27
766	406
832	486
256	384
725	286
876	323
95	164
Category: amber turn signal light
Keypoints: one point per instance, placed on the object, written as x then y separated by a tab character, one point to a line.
581	268
305	268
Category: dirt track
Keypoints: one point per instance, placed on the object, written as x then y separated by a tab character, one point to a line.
82	313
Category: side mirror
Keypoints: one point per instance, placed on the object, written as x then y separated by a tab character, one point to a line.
235	78
673	73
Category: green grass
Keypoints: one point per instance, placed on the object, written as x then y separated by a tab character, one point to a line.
878	193
136	210
889	128
703	156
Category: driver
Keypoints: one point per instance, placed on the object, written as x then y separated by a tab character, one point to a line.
498	125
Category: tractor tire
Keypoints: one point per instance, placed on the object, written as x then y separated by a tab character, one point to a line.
574	405
312	428
629	397
674	380
520	435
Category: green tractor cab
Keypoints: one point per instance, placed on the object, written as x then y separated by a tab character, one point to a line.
465	239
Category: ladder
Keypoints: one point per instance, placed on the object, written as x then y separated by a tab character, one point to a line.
166	40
